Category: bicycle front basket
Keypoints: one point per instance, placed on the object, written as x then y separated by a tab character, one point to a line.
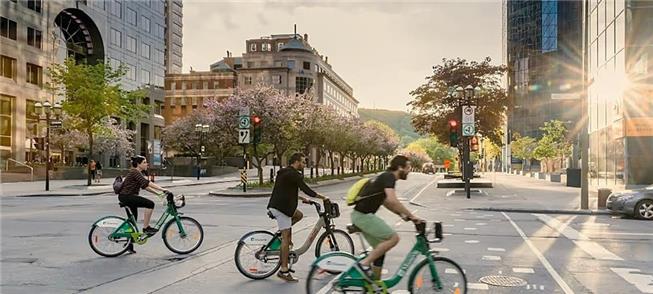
179	201
333	210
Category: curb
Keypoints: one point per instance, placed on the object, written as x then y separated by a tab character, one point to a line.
111	191
548	211
261	194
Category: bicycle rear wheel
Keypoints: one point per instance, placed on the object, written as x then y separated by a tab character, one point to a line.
101	241
452	277
183	244
251	260
325	272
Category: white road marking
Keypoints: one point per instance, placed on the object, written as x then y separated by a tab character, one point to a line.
523	270
450	271
583	242
594	225
447	234
440	249
412	200
448	226
458	220
470	229
496	249
634	276
481	224
623	234
400	292
541	257
472	241
491	257
542	287
477	286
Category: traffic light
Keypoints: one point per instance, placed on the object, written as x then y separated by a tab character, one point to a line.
474	143
39	143
256	123
453	133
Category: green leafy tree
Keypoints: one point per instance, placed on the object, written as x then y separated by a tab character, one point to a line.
92	94
433	105
437	151
553	144
524	149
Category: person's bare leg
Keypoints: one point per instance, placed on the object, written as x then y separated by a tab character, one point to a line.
285	249
380	249
147	215
296	217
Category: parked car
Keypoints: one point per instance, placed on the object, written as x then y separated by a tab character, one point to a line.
428	168
637	203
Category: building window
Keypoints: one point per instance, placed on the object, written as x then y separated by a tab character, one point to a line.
549	25
276	79
34	74
34	5
205	85
158	108
266	47
248	80
116	38
132	17
307	65
158	80
131	44
7	28
160	31
34	38
159	56
8	67
252	47
291	64
114	63
146	24
145	50
279	46
145	77
6	107
157	132
131	72
303	84
116	9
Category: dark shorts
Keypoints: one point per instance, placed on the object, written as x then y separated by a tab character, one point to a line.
134	202
93	173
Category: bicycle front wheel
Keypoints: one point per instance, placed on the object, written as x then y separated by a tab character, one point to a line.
337	240
101	240
451	277
183	243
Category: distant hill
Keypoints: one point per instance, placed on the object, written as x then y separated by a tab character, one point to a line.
397	120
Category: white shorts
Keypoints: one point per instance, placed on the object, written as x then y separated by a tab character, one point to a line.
283	221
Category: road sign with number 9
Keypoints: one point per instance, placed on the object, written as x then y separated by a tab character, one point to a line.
244	122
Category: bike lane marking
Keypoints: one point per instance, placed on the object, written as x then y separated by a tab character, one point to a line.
412	200
541	257
641	281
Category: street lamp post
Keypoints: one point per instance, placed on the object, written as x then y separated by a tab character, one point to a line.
47	108
202	130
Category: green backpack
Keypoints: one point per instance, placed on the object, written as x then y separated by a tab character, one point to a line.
354	193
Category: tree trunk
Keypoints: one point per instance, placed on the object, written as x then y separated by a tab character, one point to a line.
318	158
90	155
331	160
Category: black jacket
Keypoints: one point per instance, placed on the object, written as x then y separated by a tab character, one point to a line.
286	189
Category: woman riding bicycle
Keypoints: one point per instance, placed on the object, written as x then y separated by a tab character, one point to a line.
131	186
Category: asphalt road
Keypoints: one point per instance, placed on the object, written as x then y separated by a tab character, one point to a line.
45	250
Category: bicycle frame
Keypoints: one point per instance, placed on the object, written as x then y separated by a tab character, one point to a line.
353	278
129	228
273	247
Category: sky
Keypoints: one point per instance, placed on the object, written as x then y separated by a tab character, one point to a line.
383	49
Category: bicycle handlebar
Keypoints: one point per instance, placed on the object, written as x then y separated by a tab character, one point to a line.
437	230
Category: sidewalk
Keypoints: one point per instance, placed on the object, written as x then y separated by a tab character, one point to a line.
79	188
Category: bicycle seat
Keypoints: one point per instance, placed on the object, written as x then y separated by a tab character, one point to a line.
122	204
351	229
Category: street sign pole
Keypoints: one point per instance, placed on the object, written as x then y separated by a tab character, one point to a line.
244	138
469	130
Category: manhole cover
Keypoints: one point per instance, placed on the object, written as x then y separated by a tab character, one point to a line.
503	281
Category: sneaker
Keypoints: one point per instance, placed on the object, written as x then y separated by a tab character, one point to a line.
130	249
366	271
150	230
287	276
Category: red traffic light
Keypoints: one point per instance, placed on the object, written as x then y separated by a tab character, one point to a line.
256	120
453	123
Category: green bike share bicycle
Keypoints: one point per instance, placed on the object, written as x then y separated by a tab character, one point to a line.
111	236
257	254
335	272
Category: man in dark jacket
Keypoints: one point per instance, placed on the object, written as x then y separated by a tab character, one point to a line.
283	206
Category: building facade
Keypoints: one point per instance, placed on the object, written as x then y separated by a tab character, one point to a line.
174	36
288	63
187	92
543	52
620	92
38	33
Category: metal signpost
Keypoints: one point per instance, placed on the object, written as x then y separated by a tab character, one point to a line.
469	130
243	139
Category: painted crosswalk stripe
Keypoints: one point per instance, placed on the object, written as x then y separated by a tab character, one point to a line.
448	226
440	249
450	271
478	286
523	270
496	249
470	229
583	242
472	241
547	265
491	257
481	224
641	281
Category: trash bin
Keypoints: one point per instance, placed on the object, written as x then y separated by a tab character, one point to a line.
603	197
573	177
